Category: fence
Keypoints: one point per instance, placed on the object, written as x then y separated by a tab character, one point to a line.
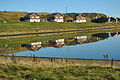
59	62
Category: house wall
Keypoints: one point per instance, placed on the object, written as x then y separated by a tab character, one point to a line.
56	18
43	20
59	20
33	20
80	21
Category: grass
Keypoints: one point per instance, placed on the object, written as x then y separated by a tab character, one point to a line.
16	27
21	72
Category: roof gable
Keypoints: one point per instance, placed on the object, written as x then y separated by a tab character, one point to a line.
79	17
57	15
29	15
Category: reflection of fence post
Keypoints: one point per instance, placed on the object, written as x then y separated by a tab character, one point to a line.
106	57
112	62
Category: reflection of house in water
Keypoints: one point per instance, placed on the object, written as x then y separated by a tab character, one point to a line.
70	41
112	34
101	36
81	39
105	35
33	46
57	43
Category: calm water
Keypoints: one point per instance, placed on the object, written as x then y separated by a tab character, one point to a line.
88	48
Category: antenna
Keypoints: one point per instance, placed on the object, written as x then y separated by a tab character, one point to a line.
66	9
56	11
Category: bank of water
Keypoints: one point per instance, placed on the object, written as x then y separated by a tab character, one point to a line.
108	48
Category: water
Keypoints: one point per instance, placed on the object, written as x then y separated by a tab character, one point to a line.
93	47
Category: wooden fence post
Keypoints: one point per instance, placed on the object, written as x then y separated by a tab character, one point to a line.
112	62
52	61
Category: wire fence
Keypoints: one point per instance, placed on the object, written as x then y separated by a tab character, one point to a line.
58	62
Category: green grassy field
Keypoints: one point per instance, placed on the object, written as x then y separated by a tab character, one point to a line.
22	72
27	27
16	27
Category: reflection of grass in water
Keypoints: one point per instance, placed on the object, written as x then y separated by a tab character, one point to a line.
20	72
15	42
36	38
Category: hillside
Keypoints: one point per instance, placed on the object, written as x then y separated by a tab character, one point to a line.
89	16
15	15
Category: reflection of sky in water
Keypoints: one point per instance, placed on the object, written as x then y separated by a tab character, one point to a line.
94	50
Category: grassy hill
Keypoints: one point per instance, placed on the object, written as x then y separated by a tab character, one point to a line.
89	16
15	15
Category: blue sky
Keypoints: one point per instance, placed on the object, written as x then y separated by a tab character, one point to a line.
109	7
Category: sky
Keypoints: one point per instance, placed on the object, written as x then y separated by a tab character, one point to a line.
108	7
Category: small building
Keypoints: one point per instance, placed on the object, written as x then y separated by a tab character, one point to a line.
32	17
56	17
113	19
118	19
79	18
57	43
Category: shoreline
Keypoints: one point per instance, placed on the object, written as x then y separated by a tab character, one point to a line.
90	29
3	55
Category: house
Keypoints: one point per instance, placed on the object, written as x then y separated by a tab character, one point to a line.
43	19
118	19
79	18
80	39
57	43
113	19
32	17
56	17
